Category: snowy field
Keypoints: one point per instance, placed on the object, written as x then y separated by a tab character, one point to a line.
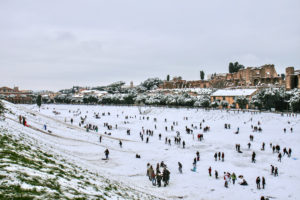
84	148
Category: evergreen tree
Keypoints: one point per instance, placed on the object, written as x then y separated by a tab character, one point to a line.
235	67
168	77
242	102
39	101
202	74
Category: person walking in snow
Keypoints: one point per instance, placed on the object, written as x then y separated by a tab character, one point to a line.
233	177
216	156
183	144
253	157
120	143
166	176
198	155
226	180
279	157
153	178
263	182
106	152
263	146
158	179
258	182
180	167
272	169
100	138
219	155
276	171
194	167
209	171
223	156
150	173
216	174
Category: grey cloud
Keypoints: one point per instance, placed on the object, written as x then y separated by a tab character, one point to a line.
57	44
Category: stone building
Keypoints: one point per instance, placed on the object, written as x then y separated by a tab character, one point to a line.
292	77
15	95
250	76
230	96
177	83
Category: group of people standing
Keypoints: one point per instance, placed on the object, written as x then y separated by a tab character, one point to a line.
156	177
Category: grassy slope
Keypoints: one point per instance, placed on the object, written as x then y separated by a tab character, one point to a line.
28	172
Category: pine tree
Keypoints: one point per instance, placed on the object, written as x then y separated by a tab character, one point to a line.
202	74
235	67
39	101
168	77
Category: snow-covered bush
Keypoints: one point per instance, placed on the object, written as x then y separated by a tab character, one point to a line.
214	104
271	98
90	99
294	100
224	104
242	101
151	83
118	99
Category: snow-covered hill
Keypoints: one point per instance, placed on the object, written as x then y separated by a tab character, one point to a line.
70	142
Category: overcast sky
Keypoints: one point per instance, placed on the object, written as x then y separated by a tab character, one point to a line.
56	44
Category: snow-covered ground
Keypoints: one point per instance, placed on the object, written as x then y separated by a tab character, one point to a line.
84	148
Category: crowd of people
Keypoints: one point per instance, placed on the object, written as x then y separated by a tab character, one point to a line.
160	176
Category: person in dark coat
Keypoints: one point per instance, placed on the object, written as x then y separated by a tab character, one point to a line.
253	157
263	182
276	171
223	156
216	156
158	179
216	174
166	176
106	154
244	182
290	152
279	157
258	182
180	167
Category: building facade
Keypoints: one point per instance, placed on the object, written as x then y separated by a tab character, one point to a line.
15	95
263	76
292	77
230	96
250	76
